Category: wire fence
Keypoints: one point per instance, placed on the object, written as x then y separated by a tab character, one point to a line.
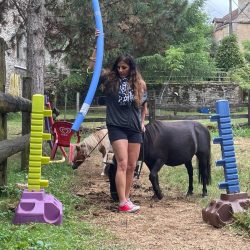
164	76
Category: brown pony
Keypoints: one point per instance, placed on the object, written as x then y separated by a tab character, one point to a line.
98	140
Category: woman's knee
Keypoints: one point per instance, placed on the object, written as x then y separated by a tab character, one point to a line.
131	166
122	165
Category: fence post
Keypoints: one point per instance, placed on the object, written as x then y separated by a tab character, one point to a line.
152	107
3	116
248	109
65	102
27	82
77	102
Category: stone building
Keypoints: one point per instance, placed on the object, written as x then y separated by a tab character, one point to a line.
12	31
240	23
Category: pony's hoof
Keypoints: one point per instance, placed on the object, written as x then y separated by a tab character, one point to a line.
114	196
157	197
189	193
154	198
160	196
74	167
204	195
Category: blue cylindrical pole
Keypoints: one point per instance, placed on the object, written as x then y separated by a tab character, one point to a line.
97	69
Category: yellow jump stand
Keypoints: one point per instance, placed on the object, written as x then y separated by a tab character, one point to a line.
35	204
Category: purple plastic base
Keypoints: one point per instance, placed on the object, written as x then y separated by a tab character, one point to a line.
37	206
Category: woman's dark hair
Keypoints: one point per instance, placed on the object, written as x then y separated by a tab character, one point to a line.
129	60
135	79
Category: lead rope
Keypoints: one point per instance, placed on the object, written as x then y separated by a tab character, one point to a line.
96	145
140	168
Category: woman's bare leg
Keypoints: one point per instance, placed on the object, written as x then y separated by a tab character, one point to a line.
133	154
120	148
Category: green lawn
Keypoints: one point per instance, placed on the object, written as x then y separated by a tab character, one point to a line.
74	233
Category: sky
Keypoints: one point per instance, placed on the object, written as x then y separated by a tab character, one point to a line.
219	8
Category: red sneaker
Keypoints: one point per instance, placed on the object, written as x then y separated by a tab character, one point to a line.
129	207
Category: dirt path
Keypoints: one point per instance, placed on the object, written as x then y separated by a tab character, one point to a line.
172	223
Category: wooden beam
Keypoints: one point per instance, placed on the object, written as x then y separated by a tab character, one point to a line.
195	117
187	107
9	103
11	147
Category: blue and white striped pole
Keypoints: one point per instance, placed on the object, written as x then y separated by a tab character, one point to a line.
97	69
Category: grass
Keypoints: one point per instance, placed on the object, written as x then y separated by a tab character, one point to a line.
14	125
74	233
241	224
71	114
169	175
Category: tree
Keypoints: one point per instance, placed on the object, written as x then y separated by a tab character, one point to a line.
174	61
241	75
139	27
189	55
35	45
31	21
246	45
3	8
229	55
197	63
196	42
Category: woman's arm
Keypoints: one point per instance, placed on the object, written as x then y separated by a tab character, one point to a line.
92	58
92	61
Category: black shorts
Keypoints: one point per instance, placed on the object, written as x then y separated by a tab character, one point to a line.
118	133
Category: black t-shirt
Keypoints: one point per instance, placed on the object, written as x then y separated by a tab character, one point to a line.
122	110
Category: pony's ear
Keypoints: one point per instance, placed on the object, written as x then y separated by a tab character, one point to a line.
77	147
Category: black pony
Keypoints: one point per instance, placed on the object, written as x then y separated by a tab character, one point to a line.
173	144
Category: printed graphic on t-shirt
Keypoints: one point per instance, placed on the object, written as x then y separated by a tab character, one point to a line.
125	93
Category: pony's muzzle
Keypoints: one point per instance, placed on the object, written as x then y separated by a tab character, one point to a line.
76	164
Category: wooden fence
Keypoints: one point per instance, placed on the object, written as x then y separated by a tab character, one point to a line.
177	108
175	111
9	104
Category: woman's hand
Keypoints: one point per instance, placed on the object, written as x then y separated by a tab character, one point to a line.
143	128
97	32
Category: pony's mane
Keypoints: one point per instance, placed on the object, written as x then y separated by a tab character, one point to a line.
153	129
93	139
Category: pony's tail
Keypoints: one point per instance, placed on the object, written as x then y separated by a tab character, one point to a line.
204	164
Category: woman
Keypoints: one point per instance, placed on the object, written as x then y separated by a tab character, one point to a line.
126	109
